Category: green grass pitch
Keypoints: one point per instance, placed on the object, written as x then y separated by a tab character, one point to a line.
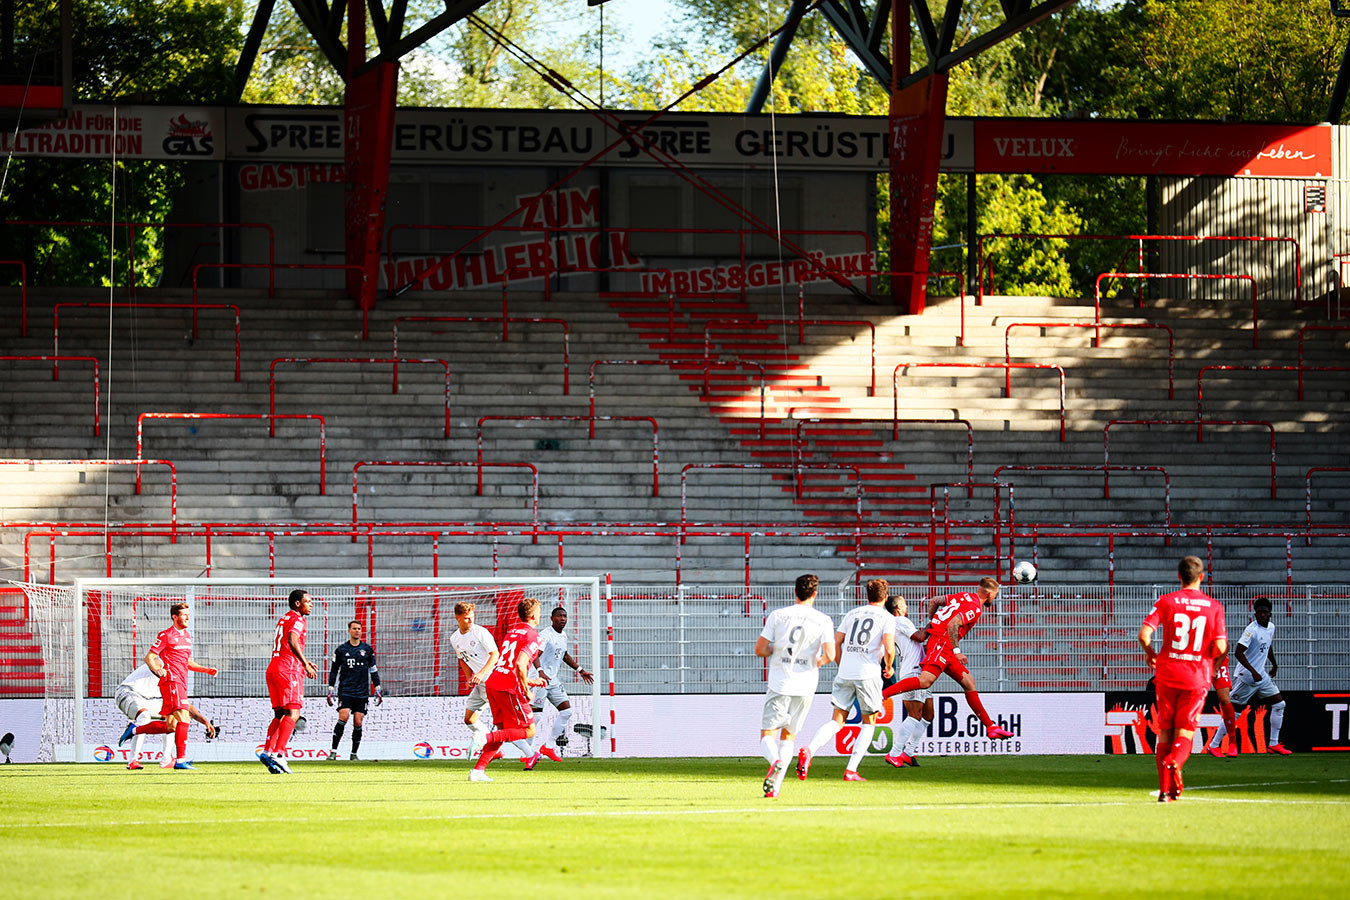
955	827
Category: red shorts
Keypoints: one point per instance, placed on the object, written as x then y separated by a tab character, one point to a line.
939	657
1221	679
1178	708
509	709
285	688
174	694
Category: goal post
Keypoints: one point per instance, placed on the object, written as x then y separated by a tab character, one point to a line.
94	633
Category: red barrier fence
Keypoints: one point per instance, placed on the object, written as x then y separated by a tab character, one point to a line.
1200	378
1256	330
991	365
801	336
56	374
505	321
477	464
1106	471
1200	435
94	304
23	293
1096	341
799	443
272	379
173	477
323	439
590	420
271	268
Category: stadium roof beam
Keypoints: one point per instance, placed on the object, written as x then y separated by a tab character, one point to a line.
864	32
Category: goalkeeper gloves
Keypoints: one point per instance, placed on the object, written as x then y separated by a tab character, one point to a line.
379	695
331	695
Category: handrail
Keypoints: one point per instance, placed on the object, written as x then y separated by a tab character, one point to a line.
505	321
103	304
1312	327
1140	239
997	522
323	439
272	379
620	362
271	268
477	464
960	287
56	374
1200	378
1256	330
1106	471
1200	425
591	420
708	364
799	443
1307	488
991	365
131	234
795	468
801	337
173	476
1171	343
23	296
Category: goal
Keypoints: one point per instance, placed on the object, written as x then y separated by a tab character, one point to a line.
94	633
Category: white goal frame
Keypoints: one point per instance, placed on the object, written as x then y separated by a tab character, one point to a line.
81	586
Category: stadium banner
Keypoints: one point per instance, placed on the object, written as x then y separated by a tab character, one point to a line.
729	725
1042	146
130	132
1314	721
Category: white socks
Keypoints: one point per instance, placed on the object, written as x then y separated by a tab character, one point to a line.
860	746
1218	734
768	748
559	724
1276	721
822	736
910	733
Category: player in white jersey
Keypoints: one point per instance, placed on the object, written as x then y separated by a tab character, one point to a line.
136	696
552	654
797	641
865	645
909	653
477	652
1254	649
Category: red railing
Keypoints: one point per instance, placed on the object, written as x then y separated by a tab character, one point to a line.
271	268
504	320
982	262
990	365
1200	435
799	442
591	420
960	287
801	337
1301	331
323	439
56	374
96	304
1106	471
1300	369
1256	331
272	379
173	478
1307	488
23	293
626	362
131	228
996	522
1096	342
477	464
709	364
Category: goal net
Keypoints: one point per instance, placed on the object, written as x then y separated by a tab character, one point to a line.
94	633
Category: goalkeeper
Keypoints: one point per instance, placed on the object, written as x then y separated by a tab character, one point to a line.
349	682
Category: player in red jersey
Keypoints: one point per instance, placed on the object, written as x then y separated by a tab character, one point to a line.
950	618
286	675
170	658
1193	636
1223	688
508	691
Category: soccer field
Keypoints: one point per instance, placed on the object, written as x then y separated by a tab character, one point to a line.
956	827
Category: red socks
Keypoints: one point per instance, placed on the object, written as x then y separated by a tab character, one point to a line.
507	735
1229	722
285	725
270	744
180	739
976	704
489	750
904	684
157	726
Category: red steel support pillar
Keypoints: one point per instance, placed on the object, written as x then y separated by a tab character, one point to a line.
917	119
368	138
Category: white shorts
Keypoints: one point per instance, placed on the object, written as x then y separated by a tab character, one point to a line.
865	691
131	703
553	692
922	695
476	699
1245	689
782	711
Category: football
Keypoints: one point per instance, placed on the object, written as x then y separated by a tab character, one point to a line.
1024	572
